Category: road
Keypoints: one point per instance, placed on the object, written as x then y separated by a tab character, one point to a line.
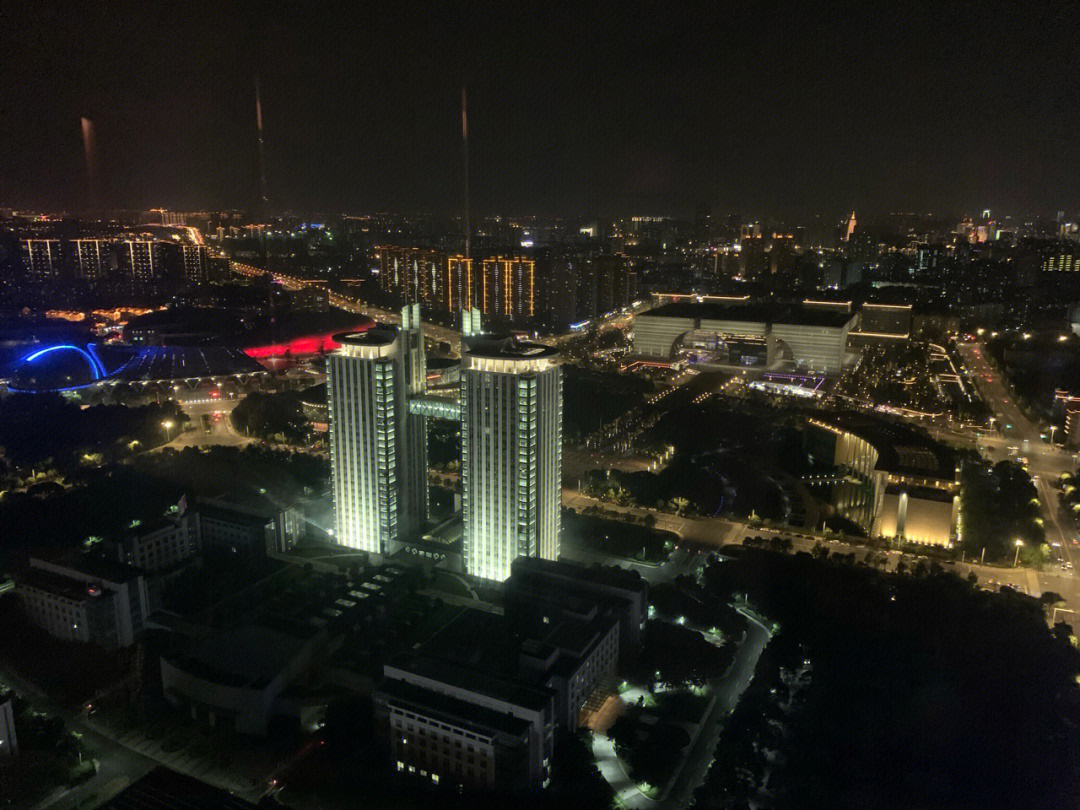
352	304
221	427
117	766
728	691
1022	439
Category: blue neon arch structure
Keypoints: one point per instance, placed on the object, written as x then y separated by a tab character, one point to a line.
96	368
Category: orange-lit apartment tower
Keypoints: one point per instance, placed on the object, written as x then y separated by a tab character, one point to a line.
457	289
508	287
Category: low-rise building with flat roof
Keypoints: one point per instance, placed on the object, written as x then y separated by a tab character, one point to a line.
87	599
238	675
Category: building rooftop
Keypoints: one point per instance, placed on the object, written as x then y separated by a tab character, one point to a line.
378	335
473	679
902	450
447	709
164	789
508	347
94	567
65	587
611	576
752	313
249	657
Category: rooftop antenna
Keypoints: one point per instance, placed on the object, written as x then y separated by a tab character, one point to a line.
465	154
90	153
262	149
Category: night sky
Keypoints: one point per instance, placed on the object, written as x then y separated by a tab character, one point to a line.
783	110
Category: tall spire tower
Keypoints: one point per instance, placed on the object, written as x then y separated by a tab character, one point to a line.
850	228
465	157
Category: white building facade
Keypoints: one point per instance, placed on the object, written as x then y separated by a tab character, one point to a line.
511	465
378	449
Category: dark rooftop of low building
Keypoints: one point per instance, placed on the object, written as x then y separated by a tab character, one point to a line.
752	313
165	789
470	716
64	587
612	576
96	567
474	679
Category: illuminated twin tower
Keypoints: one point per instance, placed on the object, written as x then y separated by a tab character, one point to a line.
510	410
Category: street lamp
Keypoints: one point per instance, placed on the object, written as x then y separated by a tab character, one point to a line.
167	424
1016	559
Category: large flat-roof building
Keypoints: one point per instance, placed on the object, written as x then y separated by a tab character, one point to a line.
897	483
743	334
237	675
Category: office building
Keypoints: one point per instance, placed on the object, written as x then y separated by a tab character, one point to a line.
161	546
235	676
849	229
377	448
552	588
41	258
90	599
453	723
511	466
740	334
91	258
256	524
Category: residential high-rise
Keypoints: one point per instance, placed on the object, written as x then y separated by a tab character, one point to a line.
41	257
459	283
753	261
556	287
428	277
614	283
511	464
508	288
140	260
91	258
377	448
196	266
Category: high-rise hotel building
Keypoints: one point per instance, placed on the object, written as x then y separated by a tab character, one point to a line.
378	449
511	458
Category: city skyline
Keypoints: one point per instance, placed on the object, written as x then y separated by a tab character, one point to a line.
594	115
